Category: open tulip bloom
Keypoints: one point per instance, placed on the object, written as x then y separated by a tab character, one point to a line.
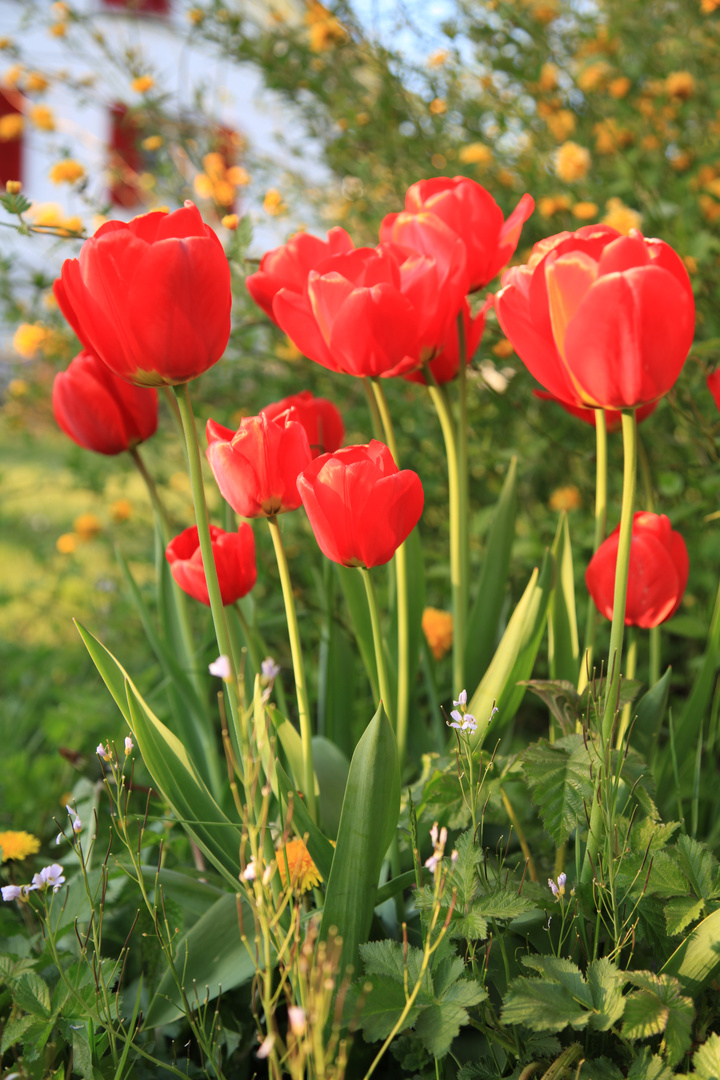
288	266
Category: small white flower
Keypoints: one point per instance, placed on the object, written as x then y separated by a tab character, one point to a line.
103	751
128	745
50	877
454	856
457	717
434	834
248	873
266	1046
59	838
268	873
462	698
432	862
297	1020
221	667
12	892
269	669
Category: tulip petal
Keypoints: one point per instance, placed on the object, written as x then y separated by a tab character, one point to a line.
390	516
293	314
375	332
568	278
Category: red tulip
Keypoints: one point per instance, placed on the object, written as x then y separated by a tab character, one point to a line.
446	365
713	385
320	418
659	568
361	508
471	213
613	418
234	555
287	267
256	467
600	319
151	297
98	410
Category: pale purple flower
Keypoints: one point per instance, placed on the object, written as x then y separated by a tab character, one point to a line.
432	862
269	669
434	834
76	822
103	751
454	856
221	667
469	723
558	890
462	699
13	892
297	1020
50	877
266	1046
457	718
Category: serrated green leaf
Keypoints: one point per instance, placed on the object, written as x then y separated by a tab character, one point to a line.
699	866
658	1007
606	988
36	1037
381	1008
502	904
463	875
14	1031
561	698
542	1006
647	1066
438	1025
697	960
560	786
387	959
557	969
470	927
706	1060
680	911
31	994
82	1054
599	1069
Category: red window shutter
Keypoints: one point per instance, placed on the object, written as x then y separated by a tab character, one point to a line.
11	150
144	7
126	159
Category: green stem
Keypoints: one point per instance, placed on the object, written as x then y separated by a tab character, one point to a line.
655	633
298	667
158	505
463	492
378	643
599	536
630	669
375	420
403	600
182	396
655	654
442	408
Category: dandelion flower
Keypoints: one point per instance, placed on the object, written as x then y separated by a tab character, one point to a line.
87	526
273	203
572	162
29	339
17	845
304	873
437	627
67	171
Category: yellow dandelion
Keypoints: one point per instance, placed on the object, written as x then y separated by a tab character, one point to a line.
87	526
142	84
548	77
585	211
67	171
273	203
681	161
503	349
153	142
203	186
438	106
708	6
621	217
237	176
565	498
5	42
362	119
195	16
231	222
619	87
547	206
324	29
11	126
609	136
17	845
303	872
437	626
121	510
680	84
572	162
650	142
29	339
475	154
42	117
506	178
66	543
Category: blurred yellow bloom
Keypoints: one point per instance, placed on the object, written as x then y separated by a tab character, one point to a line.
121	510
561	124
438	106
506	178
503	349
29	339
437	627
572	162
475	154
153	142
13	187
553	204
585	211
17	845
619	87
34	82
690	262
324	29
87	526
548	77
621	217
565	498
610	137
231	221
42	117
303	872
680	84
142	84
709	207
273	203
18	388
11	126
58	29
12	75
650	142
545	10
196	16
362	119
218	182
592	76
438	58
67	543
288	350
708	6
67	171
438	161
5	42
60	9
681	161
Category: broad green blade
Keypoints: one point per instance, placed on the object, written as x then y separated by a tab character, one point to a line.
563	643
515	656
331	770
696	962
649	715
367	826
486	610
337	685
209	959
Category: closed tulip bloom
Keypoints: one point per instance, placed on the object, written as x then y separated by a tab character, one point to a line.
99	411
257	466
360	507
288	266
320	418
600	319
613	418
151	297
472	214
234	554
659	569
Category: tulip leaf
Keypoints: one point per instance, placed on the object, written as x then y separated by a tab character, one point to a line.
367	826
697	960
514	658
170	766
649	715
698	703
209	959
337	675
563	643
331	770
485	615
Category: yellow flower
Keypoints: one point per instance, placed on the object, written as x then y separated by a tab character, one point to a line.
561	124
650	142
304	873
153	142
288	350
438	161
609	137
362	119
87	526
29	339
506	178
710	208
547	206
273	203
121	510
196	16
18	388
437	627
17	845
438	106
592	76
438	58
565	498
619	87
691	262
621	217
12	75
11	126
58	29
572	162
66	543
585	211
5	42
231	222
42	117
67	171
681	161
52	215
548	77
680	84
34	82
13	187
475	154
503	349
324	29
708	6
142	84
